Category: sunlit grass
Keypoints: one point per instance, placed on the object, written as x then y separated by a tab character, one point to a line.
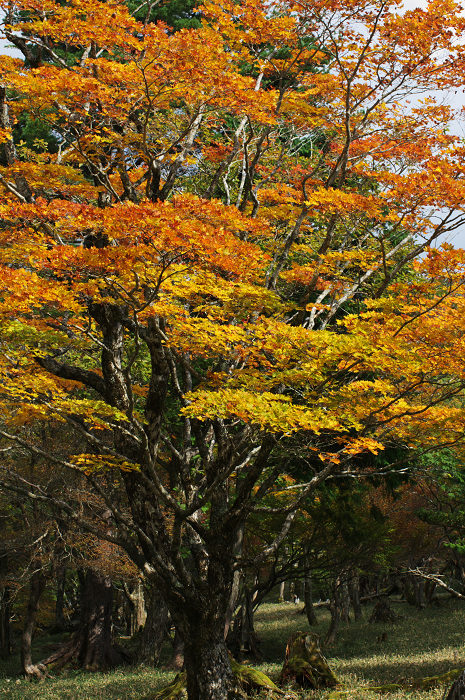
422	643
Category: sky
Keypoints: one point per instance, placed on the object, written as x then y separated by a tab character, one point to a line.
455	98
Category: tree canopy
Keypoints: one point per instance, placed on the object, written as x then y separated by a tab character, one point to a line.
226	260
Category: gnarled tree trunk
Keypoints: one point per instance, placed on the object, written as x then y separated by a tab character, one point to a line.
92	645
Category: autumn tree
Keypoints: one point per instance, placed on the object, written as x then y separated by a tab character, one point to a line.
218	265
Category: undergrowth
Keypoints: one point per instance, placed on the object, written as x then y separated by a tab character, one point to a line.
421	643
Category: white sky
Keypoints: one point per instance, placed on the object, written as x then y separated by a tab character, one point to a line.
455	98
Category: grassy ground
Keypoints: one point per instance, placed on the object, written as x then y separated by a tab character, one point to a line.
422	643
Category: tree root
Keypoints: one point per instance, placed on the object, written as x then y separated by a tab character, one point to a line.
248	680
417	684
36	672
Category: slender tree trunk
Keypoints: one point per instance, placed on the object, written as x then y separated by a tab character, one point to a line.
60	622
36	588
5	623
236	583
137	609
281	592
308	595
345	601
177	658
243	640
354	593
335	610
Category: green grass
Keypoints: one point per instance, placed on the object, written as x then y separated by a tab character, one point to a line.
423	643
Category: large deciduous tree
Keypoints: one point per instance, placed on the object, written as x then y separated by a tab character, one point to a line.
218	266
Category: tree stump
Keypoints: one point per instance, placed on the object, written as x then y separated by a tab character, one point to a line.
382	613
305	665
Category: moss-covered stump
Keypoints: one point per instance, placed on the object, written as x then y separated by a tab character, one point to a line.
248	680
305	665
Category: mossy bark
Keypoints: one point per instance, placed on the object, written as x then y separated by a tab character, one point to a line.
305	665
246	679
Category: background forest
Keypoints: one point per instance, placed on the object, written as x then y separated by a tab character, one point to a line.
231	352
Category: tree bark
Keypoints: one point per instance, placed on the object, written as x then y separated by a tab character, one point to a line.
60	622
308	596
354	593
154	631
137	610
92	645
5	622
177	658
209	675
36	588
335	610
243	640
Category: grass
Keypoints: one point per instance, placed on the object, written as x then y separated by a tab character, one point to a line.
422	643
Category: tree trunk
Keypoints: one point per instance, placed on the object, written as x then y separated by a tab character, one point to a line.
200	620
60	622
36	588
345	601
177	658
335	610
354	593
209	674
243	640
92	646
137	610
281	592
308	595
5	623
154	631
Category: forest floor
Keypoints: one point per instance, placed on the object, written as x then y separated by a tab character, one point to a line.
420	644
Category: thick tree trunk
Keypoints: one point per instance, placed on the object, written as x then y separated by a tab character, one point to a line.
92	645
36	588
154	631
200	619
209	675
